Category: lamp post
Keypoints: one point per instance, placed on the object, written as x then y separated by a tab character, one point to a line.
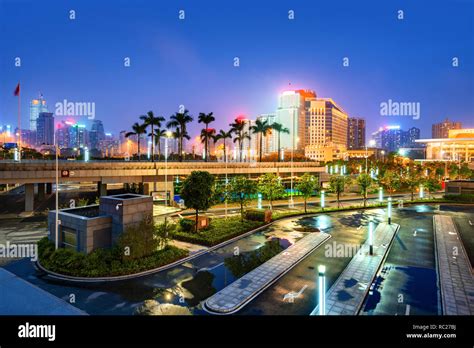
322	289
292	151
323	203
56	194
168	135
389	210
371	238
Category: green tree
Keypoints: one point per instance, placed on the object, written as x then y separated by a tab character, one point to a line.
465	172
412	180
337	184
159	133
151	120
179	121
431	185
390	181
270	186
261	128
138	130
138	241
241	188
206	133
197	192
307	185
278	127
365	182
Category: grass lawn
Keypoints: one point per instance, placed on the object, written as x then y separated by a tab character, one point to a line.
219	230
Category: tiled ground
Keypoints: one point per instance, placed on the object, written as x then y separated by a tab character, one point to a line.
234	296
454	268
347	294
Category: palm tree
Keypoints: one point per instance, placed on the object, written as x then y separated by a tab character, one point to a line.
238	128
263	128
150	120
138	130
206	119
178	134
179	121
223	135
280	129
206	134
159	133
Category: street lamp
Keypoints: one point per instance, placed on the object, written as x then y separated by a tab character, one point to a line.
371	238
168	135
322	289
322	200
389	210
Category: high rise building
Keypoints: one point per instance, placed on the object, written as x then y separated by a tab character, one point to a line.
392	138
441	130
78	136
325	130
355	133
37	106
291	113
63	134
96	134
45	129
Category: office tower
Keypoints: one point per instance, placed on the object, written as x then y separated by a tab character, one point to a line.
410	136
96	134
441	130
355	133
270	141
291	113
388	138
78	136
63	134
326	130
45	129
37	106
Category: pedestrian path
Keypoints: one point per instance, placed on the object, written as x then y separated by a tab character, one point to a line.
347	294
18	297
235	296
454	269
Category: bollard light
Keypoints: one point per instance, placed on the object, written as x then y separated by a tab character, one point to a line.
323	203
380	194
86	154
421	191
371	238
259	204
389	210
322	289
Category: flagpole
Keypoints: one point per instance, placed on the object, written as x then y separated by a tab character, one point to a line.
19	122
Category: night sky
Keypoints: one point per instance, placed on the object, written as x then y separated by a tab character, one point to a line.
190	61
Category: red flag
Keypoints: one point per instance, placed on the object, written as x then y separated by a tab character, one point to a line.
17	90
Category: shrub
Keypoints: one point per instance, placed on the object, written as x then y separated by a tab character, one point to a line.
187	225
258	215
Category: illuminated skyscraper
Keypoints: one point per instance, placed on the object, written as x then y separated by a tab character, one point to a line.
36	107
45	129
355	133
270	141
291	113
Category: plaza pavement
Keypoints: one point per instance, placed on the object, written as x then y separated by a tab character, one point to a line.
454	269
19	297
233	297
347	294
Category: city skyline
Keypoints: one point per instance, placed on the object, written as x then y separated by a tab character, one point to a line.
205	78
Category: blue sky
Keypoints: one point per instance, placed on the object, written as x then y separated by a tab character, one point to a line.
190	61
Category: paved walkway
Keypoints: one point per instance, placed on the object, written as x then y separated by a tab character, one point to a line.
18	297
233	297
454	270
347	294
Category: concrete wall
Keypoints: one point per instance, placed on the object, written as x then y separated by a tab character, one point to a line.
459	187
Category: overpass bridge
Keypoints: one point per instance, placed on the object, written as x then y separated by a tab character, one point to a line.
43	173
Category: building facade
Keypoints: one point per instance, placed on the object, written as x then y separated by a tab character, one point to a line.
37	106
45	129
441	129
355	133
